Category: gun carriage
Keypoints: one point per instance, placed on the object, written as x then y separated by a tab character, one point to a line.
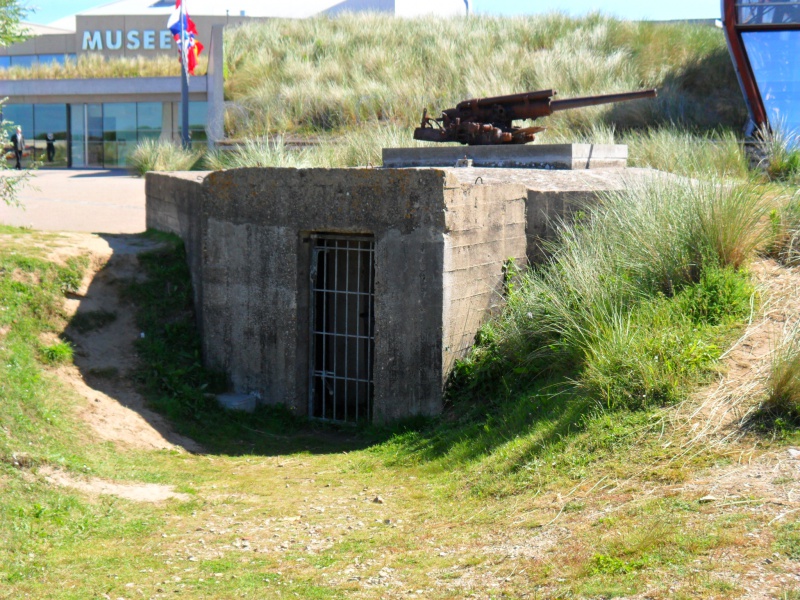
487	121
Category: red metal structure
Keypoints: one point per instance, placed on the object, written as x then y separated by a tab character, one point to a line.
764	42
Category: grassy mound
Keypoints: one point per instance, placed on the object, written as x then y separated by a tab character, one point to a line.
330	74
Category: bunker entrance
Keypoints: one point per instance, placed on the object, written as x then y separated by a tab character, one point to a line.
342	328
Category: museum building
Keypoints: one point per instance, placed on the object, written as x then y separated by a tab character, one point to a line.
96	123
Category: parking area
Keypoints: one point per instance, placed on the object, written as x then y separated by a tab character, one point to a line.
99	201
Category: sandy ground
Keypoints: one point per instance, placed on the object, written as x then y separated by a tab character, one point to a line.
105	357
138	492
103	363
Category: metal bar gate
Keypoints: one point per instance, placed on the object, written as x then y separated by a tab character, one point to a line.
342	342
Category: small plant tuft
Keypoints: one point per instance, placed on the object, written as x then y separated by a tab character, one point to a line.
787	540
162	155
779	149
57	354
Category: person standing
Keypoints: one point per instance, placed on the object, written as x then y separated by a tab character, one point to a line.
18	141
51	147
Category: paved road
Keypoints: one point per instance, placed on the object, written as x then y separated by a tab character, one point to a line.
96	201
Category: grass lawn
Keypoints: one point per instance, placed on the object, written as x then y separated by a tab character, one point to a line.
533	492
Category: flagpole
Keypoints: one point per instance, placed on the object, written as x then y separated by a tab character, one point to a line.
184	80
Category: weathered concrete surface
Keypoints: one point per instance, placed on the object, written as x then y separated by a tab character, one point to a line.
440	250
485	228
257	255
527	156
442	240
553	195
174	203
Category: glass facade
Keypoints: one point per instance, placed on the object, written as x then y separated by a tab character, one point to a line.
773	58
197	120
764	39
767	12
99	135
148	119
29	60
44	127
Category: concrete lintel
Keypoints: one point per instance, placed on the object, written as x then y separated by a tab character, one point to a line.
46	91
543	156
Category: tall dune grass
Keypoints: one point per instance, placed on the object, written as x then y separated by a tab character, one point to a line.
716	154
359	146
630	296
783	380
162	155
258	153
327	74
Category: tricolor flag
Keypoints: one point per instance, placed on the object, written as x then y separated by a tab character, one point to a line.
180	21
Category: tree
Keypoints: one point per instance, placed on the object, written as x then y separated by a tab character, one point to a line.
11	14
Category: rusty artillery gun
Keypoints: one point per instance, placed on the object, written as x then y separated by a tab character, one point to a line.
487	121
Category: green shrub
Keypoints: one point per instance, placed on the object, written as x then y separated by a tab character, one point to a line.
720	296
646	358
602	564
162	155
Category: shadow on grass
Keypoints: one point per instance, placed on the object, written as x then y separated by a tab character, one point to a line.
172	378
169	373
772	424
478	423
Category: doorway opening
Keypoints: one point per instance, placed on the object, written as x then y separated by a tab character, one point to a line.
342	342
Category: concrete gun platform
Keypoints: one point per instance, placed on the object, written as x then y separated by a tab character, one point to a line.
521	156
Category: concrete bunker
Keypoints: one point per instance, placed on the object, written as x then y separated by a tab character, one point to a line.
348	294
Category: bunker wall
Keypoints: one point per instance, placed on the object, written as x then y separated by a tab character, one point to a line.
485	234
174	205
441	251
258	225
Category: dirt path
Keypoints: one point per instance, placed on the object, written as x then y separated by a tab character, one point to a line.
104	345
95	486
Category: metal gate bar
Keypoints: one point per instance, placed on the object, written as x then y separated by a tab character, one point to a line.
342	328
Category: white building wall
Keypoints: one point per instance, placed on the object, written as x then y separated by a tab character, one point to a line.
301	9
415	8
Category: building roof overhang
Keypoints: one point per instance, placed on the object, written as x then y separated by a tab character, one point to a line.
76	91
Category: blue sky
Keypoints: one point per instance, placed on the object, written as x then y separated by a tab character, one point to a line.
51	10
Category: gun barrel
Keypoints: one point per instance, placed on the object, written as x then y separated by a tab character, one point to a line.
539	96
570	103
